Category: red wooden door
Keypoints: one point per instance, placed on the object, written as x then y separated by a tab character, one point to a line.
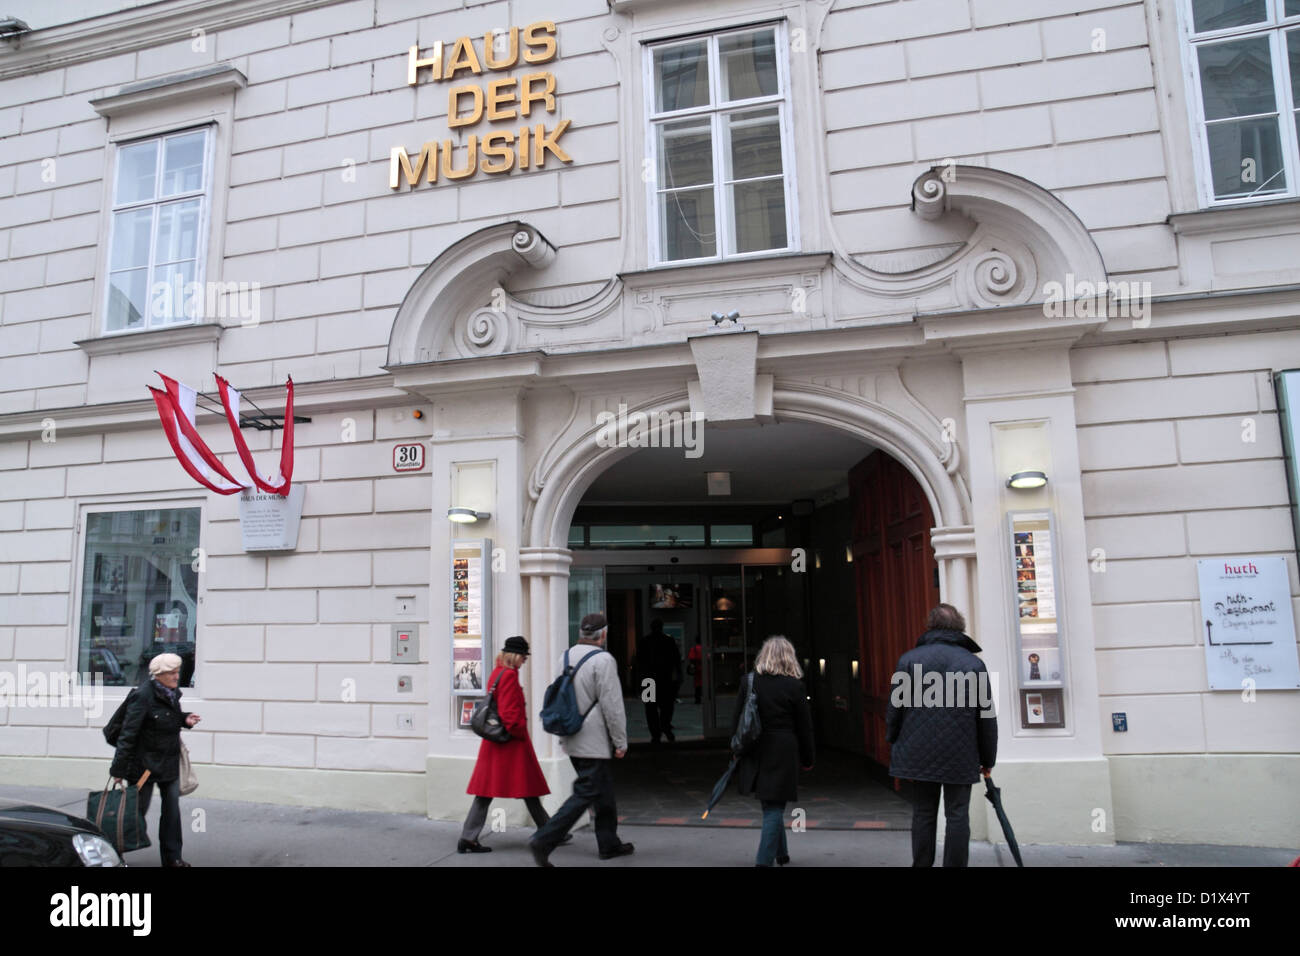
896	576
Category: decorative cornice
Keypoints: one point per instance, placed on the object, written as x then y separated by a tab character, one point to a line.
137	28
953	542
732	269
443	315
544	562
1229	218
372	391
147	341
152	93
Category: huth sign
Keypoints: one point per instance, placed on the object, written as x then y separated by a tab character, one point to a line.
472	101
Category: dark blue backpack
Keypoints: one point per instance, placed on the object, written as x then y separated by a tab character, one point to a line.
560	714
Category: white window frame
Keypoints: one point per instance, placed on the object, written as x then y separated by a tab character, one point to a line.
723	214
156	202
84	510
1275	28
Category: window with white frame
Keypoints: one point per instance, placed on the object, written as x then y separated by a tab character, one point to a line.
1245	65
718	146
156	243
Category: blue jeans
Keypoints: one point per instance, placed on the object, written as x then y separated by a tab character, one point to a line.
771	841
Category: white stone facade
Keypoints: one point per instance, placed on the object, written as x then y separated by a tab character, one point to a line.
949	158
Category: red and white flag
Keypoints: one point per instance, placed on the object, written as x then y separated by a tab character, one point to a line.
271	483
176	409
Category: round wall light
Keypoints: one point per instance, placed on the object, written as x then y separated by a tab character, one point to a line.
1027	480
466	515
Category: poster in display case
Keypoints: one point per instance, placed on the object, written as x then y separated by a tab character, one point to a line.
1040	674
470	616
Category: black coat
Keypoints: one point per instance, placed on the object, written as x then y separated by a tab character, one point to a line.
151	736
947	743
771	770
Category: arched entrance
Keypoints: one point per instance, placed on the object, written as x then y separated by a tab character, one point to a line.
887	561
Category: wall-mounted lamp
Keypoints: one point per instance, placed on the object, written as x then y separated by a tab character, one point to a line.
848	554
855	670
821	666
466	515
719	482
1027	480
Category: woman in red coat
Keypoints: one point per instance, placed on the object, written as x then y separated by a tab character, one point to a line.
509	769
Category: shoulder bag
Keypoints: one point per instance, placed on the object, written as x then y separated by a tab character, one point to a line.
749	728
486	722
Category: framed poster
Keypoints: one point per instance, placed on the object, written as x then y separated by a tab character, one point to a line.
465	707
1247	624
1036	599
470	615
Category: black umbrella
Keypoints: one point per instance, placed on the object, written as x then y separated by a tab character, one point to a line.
720	787
994	796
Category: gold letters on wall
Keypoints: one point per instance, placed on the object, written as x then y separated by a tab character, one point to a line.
472	103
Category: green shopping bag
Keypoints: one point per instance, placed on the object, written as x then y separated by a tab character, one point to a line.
116	811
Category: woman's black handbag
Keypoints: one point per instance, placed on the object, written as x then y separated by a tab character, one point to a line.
749	728
116	811
486	722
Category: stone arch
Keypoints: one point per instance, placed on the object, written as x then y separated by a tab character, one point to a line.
574	470
454	294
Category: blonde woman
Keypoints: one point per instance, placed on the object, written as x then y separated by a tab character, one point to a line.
771	770
509	769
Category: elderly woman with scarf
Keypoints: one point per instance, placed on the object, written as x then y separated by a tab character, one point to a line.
151	741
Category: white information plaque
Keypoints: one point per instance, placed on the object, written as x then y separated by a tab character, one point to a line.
1247	624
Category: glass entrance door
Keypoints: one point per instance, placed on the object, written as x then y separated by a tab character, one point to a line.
746	605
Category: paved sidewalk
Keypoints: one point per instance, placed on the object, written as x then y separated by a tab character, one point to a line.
253	834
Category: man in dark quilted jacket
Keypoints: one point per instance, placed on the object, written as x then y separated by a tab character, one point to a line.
943	732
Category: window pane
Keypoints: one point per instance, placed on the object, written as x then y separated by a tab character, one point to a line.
131	238
1221	14
748	64
1292	8
183	163
731	534
1293	58
139	597
682	77
760	215
172	299
686	224
1236	78
178	231
754	147
646	536
685	153
136	166
127	295
1246	158
576	536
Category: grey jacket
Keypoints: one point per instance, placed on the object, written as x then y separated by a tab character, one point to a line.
605	729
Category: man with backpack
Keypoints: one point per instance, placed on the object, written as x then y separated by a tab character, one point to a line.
585	705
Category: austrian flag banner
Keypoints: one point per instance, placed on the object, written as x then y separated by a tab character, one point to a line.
176	409
271	484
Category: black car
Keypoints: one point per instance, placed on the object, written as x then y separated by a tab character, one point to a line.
34	835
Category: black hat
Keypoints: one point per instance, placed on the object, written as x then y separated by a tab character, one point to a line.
592	624
516	645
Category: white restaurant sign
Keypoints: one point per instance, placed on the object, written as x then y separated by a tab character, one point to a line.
1247	626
